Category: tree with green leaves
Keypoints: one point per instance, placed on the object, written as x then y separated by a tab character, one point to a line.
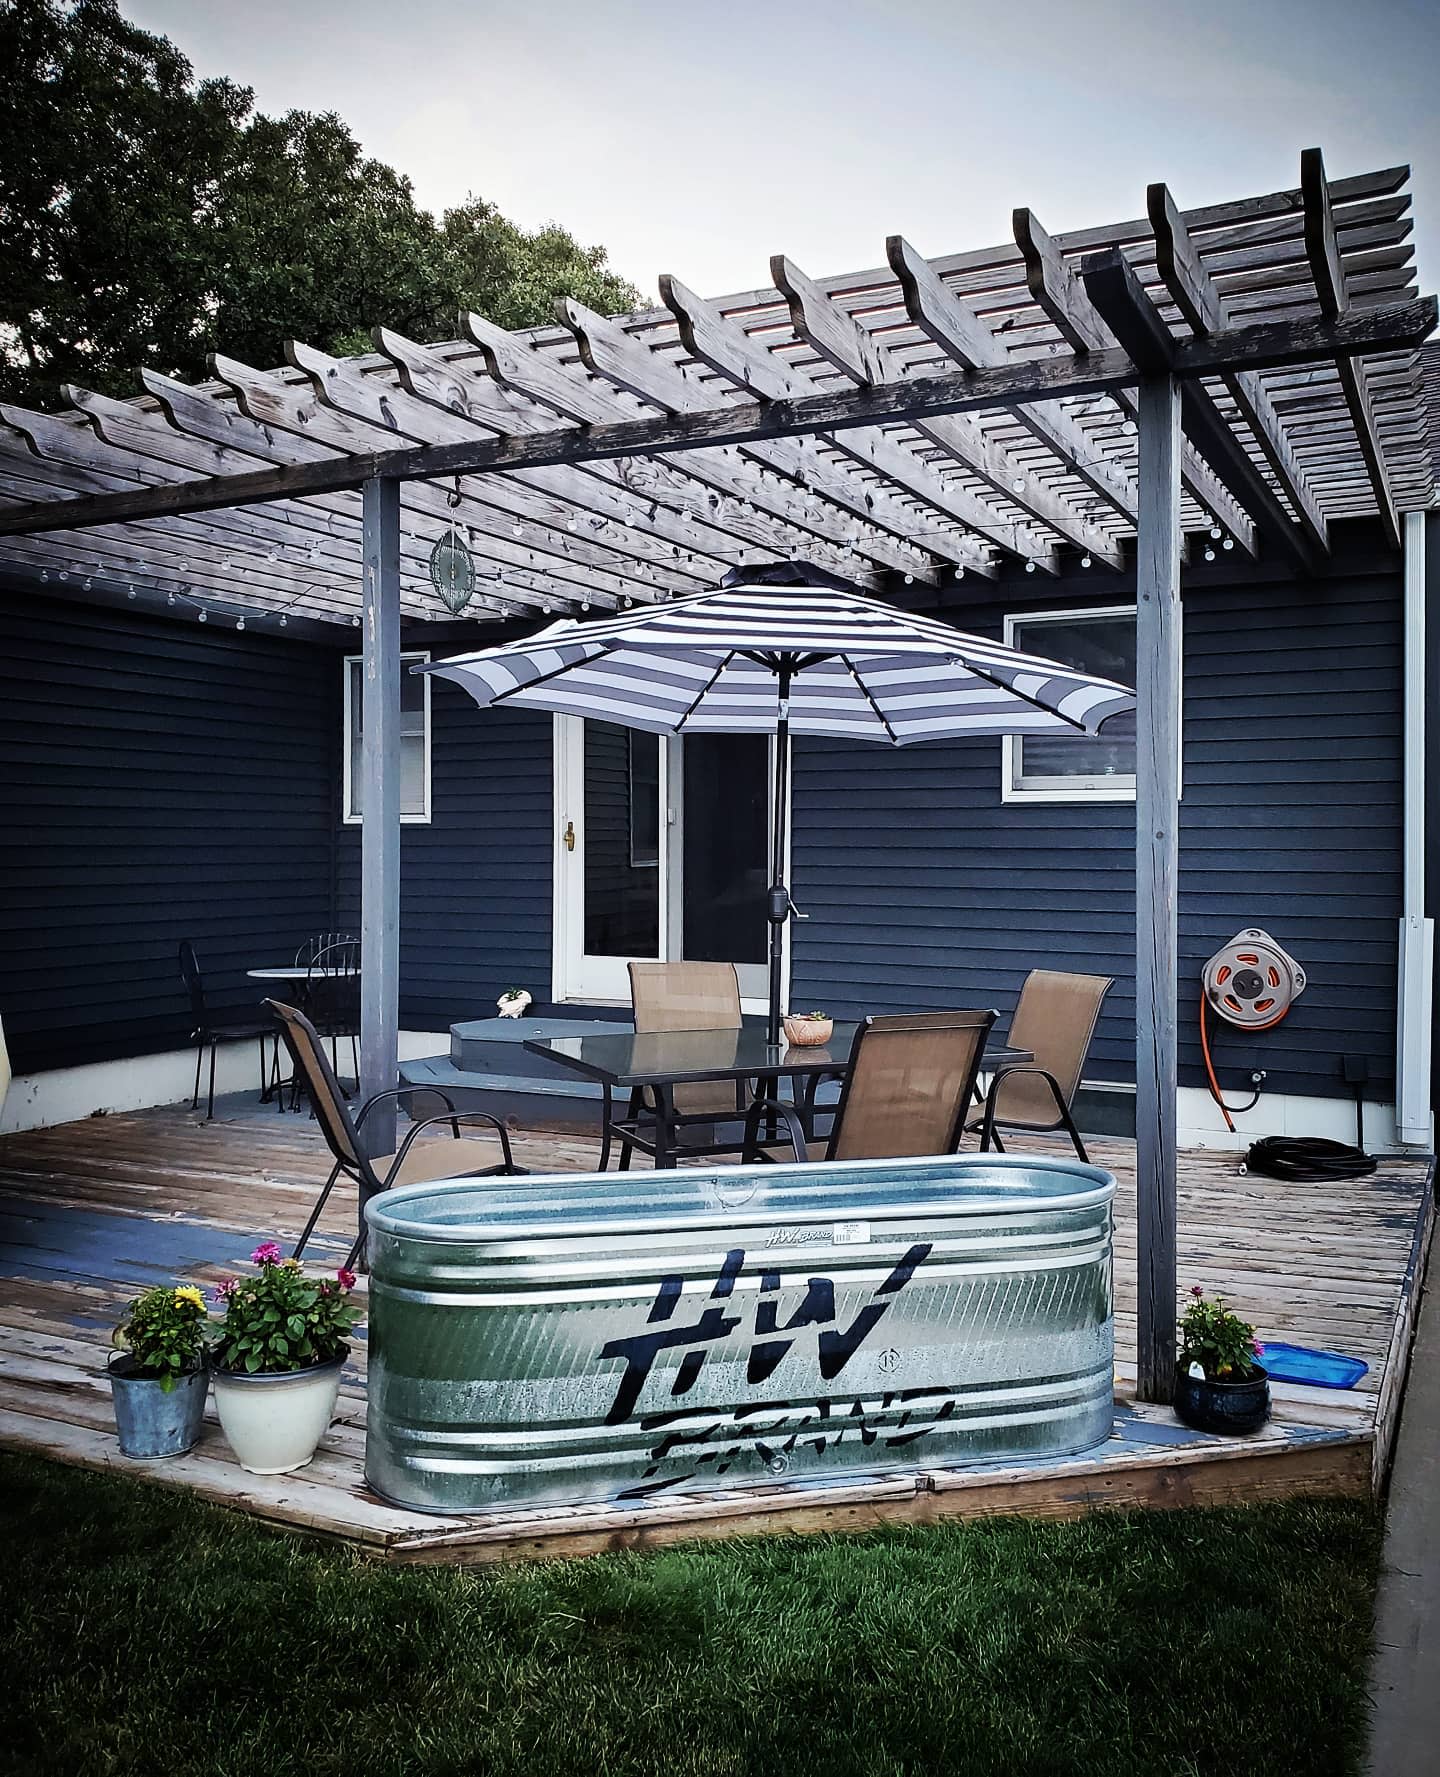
148	219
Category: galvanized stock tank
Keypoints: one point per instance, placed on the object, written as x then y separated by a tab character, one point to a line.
584	1337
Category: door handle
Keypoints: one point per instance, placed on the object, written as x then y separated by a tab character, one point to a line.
569	835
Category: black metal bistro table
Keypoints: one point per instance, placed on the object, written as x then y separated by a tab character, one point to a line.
657	1061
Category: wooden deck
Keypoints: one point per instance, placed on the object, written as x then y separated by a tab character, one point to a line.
92	1211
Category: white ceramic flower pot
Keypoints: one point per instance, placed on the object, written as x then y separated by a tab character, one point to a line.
273	1423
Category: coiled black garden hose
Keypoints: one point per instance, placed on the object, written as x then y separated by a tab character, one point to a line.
1307	1159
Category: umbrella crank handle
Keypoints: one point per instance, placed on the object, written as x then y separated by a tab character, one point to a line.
781	907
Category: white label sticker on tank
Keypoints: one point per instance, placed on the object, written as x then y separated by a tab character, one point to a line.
851	1234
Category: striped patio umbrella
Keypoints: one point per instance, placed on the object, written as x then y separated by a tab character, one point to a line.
787	650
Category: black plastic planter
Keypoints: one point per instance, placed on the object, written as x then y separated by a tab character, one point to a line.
1230	1408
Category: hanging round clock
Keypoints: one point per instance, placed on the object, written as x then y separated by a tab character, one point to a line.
452	571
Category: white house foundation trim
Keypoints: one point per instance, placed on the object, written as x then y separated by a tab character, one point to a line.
141	1082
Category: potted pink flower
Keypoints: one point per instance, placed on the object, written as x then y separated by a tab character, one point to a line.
1220	1384
276	1359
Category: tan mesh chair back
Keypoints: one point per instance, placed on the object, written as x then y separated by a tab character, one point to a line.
4	1068
689	996
910	1084
313	1067
1055	1021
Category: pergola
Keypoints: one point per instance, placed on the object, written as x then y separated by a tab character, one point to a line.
1244	375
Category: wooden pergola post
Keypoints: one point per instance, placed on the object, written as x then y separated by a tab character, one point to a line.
380	810
1157	809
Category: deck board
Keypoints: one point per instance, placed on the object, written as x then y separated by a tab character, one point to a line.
93	1211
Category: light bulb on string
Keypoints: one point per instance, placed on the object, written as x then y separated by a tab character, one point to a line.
1029	567
1085	561
240	623
1209	553
1229	543
204	615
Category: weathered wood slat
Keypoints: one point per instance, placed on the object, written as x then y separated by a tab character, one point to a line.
1332	288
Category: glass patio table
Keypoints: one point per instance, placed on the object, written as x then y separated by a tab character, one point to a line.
658	1061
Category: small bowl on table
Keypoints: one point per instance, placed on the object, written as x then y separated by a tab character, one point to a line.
808	1033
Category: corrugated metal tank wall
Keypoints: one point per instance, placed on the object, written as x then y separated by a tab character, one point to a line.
924	890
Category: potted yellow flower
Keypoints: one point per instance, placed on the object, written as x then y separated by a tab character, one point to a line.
277	1359
157	1372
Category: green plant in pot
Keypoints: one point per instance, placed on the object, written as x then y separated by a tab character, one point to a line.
278	1354
157	1372
1220	1385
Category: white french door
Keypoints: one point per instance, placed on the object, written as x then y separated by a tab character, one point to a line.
661	853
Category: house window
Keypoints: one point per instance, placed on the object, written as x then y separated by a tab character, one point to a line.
1075	767
414	740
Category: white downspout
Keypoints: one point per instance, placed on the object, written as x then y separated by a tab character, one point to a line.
1417	935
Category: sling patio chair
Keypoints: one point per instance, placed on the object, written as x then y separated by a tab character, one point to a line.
910	1083
409	1165
1055	1021
677	996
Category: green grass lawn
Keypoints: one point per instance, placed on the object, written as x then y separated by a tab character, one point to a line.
143	1632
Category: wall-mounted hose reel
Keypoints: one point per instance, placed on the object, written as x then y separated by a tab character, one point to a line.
1252	982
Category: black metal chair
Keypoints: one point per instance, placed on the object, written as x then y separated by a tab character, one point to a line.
407	1165
210	1032
332	997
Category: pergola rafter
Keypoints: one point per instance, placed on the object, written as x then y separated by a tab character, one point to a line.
927	418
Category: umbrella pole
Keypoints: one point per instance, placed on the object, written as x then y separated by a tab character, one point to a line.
779	906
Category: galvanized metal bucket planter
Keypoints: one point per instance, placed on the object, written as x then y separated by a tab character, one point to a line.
571	1338
152	1423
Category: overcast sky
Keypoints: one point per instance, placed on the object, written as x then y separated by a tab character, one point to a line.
701	136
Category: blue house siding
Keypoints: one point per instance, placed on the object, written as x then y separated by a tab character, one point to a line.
160	781
924	890
475	913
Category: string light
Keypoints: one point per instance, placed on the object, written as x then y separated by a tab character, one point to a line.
1085	561
239	623
204	615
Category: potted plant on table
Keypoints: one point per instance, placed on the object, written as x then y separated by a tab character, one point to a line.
808	1030
157	1373
277	1359
1220	1385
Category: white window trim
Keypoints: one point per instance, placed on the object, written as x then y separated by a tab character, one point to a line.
1108	788
407	659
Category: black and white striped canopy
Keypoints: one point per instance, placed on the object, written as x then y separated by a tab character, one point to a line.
864	671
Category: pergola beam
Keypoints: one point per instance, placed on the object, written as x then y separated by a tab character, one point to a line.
587	403
1130	315
847	345
1332	288
859	512
1386	328
1064	300
900	470
960	331
1206	312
